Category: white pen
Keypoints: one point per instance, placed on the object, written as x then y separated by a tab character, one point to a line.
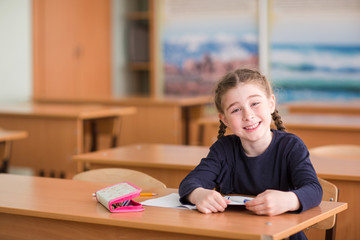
235	199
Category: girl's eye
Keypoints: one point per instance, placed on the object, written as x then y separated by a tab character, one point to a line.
235	110
255	103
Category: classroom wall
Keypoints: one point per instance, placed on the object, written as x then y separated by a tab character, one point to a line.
120	70
15	50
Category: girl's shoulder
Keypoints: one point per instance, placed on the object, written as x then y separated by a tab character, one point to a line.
287	138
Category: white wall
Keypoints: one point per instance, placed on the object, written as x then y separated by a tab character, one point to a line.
120	72
15	50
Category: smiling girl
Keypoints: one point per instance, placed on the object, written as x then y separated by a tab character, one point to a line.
272	165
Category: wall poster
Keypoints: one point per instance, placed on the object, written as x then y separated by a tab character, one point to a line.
204	39
315	49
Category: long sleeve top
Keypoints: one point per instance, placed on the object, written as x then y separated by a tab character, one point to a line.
285	165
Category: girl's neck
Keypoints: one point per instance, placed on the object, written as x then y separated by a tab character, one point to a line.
254	149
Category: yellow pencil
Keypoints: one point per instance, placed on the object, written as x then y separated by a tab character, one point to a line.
147	194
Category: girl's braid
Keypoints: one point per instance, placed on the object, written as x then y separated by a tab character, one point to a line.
222	130
277	120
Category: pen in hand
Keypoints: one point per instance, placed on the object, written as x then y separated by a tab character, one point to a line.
238	199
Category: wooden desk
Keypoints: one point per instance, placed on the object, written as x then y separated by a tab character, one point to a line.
171	163
48	208
168	120
6	139
56	132
314	129
316	107
168	163
317	130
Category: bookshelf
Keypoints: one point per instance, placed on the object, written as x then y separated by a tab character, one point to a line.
141	46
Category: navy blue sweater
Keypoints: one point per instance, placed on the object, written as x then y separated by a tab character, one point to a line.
285	166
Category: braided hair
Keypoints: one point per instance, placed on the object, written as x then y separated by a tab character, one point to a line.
243	75
222	130
277	120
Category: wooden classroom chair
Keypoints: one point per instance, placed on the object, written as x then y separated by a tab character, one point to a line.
94	128
116	175
6	141
330	193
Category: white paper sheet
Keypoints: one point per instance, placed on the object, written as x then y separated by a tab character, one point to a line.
172	201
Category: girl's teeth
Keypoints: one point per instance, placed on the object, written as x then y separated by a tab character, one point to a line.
253	126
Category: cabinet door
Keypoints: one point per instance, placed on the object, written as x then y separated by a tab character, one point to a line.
71	49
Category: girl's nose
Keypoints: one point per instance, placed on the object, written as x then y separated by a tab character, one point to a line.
247	114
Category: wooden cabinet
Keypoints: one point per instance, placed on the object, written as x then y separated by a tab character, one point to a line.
71	40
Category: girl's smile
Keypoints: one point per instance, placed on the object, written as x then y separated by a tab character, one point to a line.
252	127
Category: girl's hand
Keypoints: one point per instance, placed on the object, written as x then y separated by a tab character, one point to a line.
208	201
273	202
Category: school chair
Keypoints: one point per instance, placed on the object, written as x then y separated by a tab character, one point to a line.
6	141
330	193
208	130
94	129
347	151
116	175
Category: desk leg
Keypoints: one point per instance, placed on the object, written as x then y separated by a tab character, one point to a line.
116	128
5	148
94	136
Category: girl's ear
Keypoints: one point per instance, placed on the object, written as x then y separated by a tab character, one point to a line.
223	119
272	103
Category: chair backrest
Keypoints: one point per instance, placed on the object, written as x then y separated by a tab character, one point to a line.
116	175
94	129
330	193
347	151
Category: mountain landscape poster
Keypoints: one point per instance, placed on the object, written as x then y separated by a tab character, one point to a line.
204	39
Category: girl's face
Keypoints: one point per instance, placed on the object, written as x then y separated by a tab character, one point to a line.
247	112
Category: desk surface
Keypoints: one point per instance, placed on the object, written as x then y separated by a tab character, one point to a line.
139	101
71	201
188	157
307	120
336	168
148	155
10	135
340	107
321	121
63	110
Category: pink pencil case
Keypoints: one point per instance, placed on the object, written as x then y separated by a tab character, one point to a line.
118	197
